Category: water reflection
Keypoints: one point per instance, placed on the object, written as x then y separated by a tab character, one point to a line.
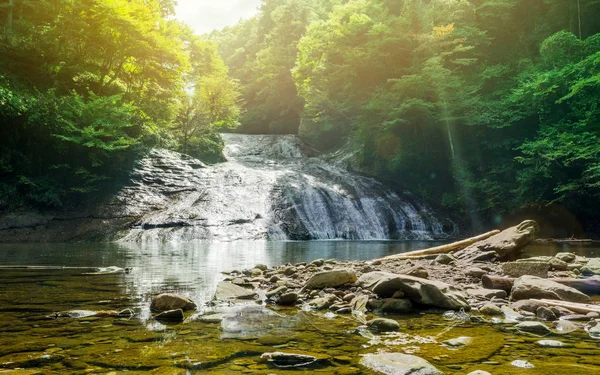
192	269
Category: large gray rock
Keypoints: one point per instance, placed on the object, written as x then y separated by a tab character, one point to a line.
330	279
168	301
228	291
531	287
398	364
423	291
534	327
504	244
592	267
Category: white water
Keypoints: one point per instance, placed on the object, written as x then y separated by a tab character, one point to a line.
269	188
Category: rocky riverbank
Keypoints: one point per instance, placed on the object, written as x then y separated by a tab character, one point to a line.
484	282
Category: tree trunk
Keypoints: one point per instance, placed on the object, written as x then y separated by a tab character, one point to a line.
579	18
441	249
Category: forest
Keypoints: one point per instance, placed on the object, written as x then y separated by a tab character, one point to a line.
485	108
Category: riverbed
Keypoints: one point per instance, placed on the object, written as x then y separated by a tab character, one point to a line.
31	339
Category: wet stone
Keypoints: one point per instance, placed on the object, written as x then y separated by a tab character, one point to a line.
551	343
398	364
533	327
522	364
383	325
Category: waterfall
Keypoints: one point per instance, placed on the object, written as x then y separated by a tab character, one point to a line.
271	187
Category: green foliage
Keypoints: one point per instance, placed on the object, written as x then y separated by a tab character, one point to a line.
85	85
482	106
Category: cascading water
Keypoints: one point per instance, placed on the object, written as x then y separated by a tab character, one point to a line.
270	188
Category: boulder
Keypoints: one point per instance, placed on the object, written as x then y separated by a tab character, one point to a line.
229	291
330	279
505	244
518	269
167	301
531	287
422	291
398	364
383	325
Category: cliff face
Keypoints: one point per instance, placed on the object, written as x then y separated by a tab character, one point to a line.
155	183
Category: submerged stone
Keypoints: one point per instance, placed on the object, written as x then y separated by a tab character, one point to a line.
522	364
398	364
228	291
383	325
292	360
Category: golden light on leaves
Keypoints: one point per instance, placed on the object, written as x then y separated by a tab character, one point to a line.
443	31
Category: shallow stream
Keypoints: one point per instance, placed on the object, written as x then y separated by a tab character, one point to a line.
29	339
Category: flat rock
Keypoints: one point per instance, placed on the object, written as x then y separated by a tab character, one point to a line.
534	327
398	364
487	293
330	279
522	364
291	360
551	343
458	342
479	372
423	291
531	287
229	291
518	269
168	301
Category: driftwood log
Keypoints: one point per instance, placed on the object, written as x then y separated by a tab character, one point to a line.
583	308
440	249
587	286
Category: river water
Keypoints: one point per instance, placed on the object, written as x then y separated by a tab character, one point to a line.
140	345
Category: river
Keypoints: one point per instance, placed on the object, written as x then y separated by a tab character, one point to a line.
141	345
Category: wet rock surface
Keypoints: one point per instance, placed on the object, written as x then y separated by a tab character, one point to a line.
399	364
270	187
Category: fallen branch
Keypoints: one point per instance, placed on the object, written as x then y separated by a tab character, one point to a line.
440	249
573	306
587	286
